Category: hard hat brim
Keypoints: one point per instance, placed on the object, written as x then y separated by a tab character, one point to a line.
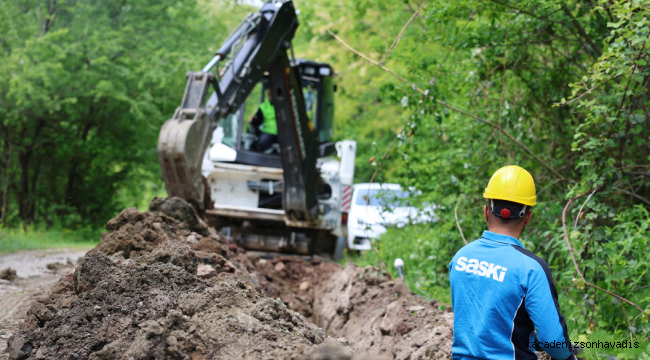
530	201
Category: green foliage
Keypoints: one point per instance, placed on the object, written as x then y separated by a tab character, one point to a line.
86	85
613	103
566	80
84	89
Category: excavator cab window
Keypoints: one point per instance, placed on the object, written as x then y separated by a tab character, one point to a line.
230	125
259	132
244	135
252	104
326	119
318	92
310	94
234	129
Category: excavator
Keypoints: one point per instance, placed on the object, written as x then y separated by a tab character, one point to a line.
290	198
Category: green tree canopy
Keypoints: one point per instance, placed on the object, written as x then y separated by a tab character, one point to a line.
557	87
84	89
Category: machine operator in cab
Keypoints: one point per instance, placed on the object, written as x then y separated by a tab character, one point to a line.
265	116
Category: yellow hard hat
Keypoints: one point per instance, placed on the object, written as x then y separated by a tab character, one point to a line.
512	183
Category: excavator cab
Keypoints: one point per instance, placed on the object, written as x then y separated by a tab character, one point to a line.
236	133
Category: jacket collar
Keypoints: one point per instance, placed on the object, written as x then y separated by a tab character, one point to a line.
488	235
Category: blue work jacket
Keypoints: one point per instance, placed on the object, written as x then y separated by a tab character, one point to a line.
501	293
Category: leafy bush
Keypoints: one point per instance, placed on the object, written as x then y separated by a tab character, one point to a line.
85	87
559	88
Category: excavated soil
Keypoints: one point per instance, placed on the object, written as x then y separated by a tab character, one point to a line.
8	274
36	273
162	285
381	315
364	305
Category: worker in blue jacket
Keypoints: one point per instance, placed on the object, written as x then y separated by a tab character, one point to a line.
500	292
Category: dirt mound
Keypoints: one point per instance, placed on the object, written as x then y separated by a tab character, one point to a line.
8	274
229	320
134	233
372	311
161	285
147	300
157	310
101	303
180	210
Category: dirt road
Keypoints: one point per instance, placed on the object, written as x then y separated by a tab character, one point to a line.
37	271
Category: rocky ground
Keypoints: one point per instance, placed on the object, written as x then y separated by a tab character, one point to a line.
162	285
24	276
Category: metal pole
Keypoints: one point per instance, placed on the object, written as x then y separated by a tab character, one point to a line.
399	264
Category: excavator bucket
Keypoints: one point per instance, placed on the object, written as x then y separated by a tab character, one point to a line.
183	140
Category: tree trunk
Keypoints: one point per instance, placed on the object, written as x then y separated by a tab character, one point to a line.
592	47
5	194
25	195
25	198
76	180
33	192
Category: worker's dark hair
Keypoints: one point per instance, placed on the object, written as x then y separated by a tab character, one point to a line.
513	207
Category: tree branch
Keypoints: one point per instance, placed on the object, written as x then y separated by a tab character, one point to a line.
637	173
633	194
50	18
582	207
5	195
633	166
527	12
383	157
595	49
442	103
371	180
399	36
435	77
636	64
458	223
588	91
503	83
575	263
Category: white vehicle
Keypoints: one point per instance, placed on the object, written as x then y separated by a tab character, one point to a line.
376	207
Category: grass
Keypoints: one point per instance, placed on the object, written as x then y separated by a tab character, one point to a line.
12	240
415	246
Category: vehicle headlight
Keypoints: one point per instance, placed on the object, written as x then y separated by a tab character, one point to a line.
360	222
